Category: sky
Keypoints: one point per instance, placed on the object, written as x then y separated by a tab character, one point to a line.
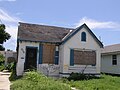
101	16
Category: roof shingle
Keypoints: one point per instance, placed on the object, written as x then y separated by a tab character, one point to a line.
111	48
34	32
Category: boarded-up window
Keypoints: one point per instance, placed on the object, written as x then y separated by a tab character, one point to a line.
48	53
84	57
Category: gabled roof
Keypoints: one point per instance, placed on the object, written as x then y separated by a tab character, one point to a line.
77	30
111	48
52	34
41	33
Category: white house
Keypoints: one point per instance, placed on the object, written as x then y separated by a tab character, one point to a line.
58	51
110	61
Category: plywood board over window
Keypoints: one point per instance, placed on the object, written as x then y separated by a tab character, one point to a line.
48	53
84	57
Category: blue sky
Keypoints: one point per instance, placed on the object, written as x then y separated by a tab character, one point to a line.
102	16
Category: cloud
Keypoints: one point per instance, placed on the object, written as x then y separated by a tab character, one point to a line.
6	17
8	0
11	23
94	24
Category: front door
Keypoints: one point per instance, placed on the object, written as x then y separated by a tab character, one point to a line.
31	58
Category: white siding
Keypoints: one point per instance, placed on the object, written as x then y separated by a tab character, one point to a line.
75	43
106	64
49	70
22	54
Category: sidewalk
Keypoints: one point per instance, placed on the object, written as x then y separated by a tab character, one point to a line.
4	81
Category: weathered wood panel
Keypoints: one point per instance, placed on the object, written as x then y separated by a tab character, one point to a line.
48	53
84	57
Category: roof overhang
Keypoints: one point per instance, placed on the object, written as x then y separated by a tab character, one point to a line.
25	40
110	53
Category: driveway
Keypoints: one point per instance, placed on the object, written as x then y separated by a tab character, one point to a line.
4	81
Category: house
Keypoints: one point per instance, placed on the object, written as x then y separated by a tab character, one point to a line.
57	51
9	55
110	60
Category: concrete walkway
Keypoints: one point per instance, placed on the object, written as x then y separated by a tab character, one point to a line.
4	81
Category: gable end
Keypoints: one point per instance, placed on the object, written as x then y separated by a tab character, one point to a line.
77	30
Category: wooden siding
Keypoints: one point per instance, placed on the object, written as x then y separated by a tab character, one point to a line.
84	57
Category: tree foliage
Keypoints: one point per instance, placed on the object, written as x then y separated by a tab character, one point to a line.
4	36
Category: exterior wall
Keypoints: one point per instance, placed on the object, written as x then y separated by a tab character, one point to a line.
43	68
22	54
49	70
76	43
106	64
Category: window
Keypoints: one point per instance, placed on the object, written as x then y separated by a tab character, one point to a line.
83	36
114	59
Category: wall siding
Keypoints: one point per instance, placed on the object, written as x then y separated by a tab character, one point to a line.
76	44
106	64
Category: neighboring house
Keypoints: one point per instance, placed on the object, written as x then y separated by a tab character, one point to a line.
110	61
58	51
9	56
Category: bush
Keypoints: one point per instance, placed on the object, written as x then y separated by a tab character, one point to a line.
2	59
36	81
13	75
81	76
2	67
9	66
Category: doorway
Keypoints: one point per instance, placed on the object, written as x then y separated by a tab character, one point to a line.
31	58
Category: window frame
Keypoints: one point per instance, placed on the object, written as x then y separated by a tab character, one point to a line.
114	59
83	36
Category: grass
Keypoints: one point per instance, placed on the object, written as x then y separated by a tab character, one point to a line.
36	81
106	82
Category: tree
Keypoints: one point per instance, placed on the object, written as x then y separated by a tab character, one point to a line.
4	36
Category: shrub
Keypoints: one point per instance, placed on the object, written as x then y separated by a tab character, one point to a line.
2	67
9	66
81	76
13	75
36	81
2	59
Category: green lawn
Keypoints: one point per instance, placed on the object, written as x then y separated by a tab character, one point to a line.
106	82
36	81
